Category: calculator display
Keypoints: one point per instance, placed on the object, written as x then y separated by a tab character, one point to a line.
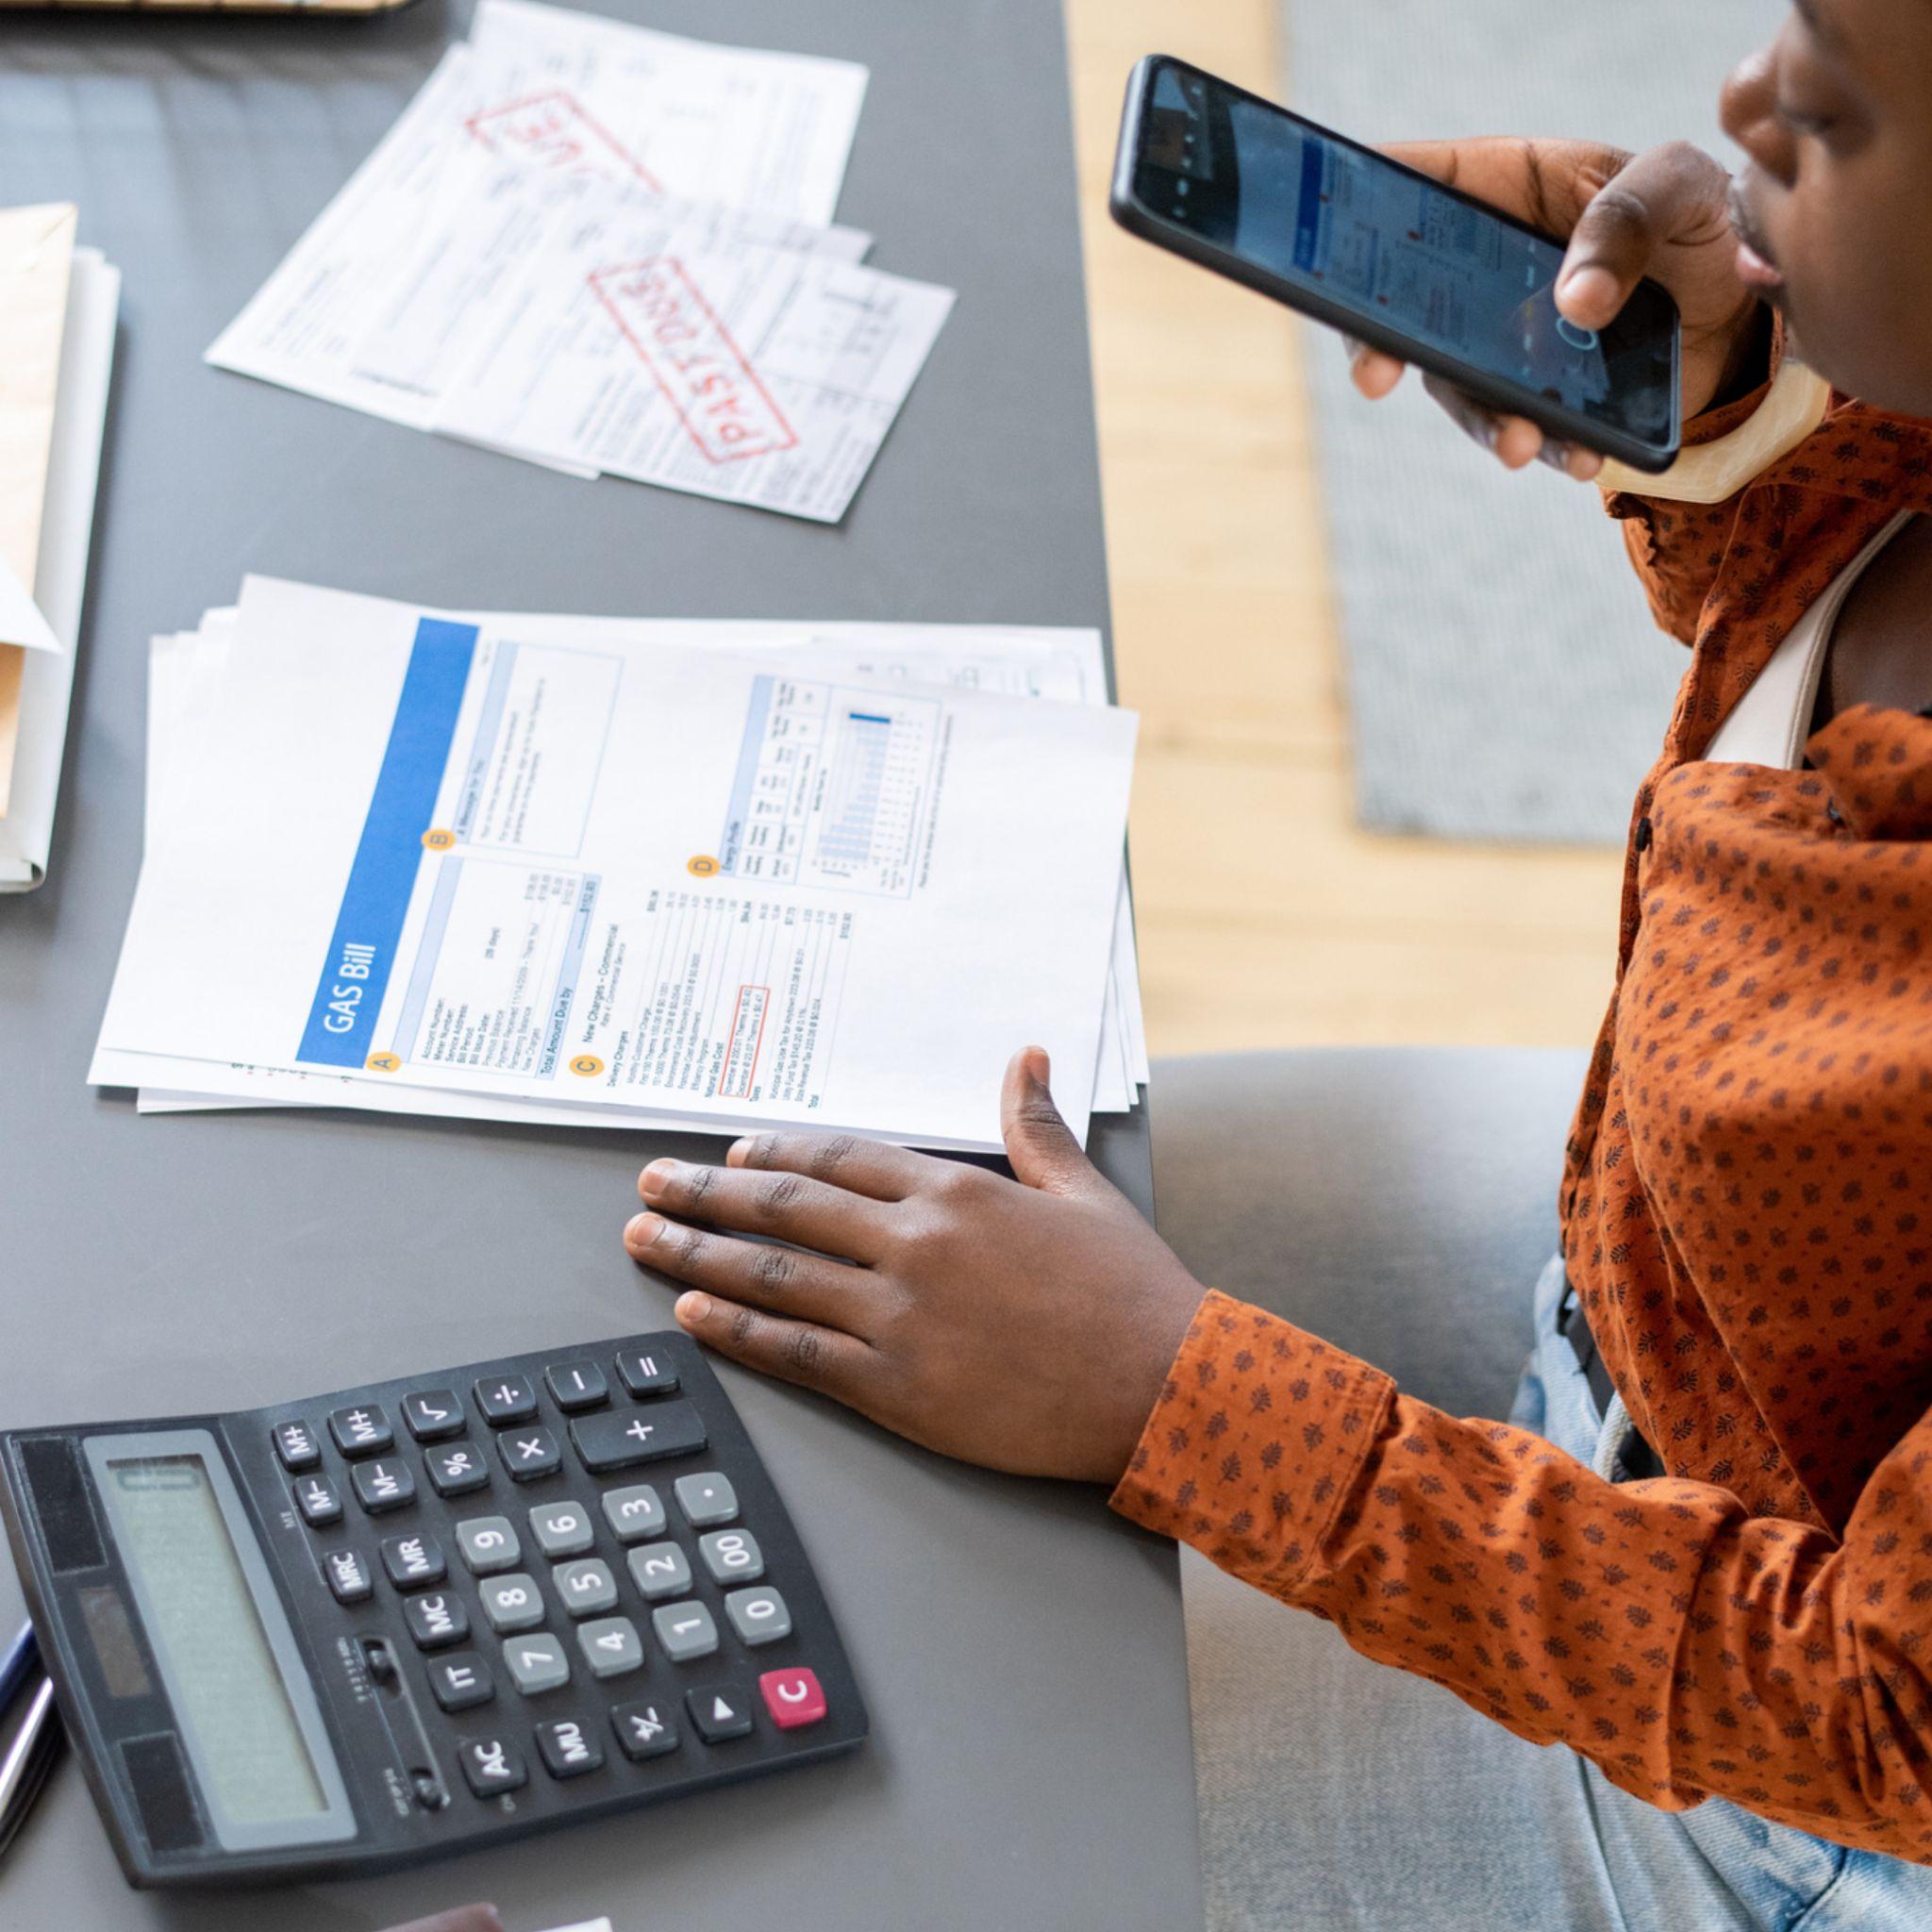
202	1619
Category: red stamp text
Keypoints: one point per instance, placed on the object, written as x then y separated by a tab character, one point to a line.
553	131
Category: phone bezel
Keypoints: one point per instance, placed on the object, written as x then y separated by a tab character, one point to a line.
1571	426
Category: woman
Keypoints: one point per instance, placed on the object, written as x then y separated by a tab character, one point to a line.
1712	1583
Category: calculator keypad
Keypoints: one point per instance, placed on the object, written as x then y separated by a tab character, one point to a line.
488	1544
512	1602
540	1599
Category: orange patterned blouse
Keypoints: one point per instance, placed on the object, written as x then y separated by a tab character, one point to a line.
1747	1217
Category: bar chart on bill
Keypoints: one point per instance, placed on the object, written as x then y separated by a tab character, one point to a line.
834	785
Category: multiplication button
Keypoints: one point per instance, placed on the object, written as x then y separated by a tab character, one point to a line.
528	1454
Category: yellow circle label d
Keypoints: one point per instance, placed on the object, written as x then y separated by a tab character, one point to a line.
703	867
587	1065
383	1062
439	838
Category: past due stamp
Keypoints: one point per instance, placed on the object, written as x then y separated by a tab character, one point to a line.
555	130
702	373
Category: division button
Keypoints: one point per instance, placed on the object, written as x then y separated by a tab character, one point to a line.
720	1711
492	1765
567	1749
436	1619
297	1446
384	1484
456	1470
793	1697
536	1663
561	1529
348	1576
646	1371
488	1543
706	1498
732	1556
506	1399
659	1570
575	1386
511	1602
432	1414
622	1438
686	1631
528	1454
759	1616
612	1647
461	1680
318	1501
585	1587
413	1561
362	1430
634	1514
644	1729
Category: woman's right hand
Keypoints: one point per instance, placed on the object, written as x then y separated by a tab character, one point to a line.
1664	213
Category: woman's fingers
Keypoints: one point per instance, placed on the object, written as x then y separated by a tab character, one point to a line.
1661	196
843	1160
1375	375
759	1272
793	1207
794	1351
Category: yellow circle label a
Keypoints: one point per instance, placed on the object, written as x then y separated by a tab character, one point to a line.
383	1062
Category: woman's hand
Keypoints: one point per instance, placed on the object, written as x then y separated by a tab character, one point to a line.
1664	213
1025	1324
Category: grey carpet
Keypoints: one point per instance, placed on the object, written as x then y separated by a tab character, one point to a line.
1504	679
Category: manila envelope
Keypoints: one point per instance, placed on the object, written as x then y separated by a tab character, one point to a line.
36	251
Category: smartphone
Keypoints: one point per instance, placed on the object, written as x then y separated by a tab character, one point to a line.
1356	240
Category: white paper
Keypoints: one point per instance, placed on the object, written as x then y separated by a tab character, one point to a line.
759	131
708	365
80	411
1066	666
862	951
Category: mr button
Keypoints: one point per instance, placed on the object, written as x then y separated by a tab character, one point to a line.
620	1439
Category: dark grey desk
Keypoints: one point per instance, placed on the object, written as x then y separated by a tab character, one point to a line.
1021	1650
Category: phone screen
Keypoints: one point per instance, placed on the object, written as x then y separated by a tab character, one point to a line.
1352	227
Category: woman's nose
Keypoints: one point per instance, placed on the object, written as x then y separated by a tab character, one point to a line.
1748	107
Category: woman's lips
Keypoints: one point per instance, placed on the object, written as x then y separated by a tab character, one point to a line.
1756	269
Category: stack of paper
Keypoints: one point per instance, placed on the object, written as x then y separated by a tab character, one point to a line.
605	249
57	304
614	873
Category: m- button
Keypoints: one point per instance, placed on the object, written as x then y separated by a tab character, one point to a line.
620	1439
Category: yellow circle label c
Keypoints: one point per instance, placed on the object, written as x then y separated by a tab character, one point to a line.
703	867
383	1062
586	1066
439	838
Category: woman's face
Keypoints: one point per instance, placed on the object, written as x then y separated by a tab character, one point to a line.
1835	209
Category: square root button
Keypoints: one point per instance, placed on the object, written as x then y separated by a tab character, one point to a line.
793	1697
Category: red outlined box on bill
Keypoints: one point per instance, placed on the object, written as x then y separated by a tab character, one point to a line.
702	373
747	1037
555	130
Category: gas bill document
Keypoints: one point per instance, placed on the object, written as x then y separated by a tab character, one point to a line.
535	858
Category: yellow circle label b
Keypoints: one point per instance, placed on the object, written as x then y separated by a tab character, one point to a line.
439	838
586	1066
703	867
383	1062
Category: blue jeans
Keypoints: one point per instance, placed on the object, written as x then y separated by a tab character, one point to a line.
1338	1796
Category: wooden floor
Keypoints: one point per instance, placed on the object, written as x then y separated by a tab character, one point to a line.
1266	918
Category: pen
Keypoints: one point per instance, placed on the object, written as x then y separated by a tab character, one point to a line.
23	1654
28	1759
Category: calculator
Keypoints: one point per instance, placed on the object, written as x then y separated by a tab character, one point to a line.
414	1619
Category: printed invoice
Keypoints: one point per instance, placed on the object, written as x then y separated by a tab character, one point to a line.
505	857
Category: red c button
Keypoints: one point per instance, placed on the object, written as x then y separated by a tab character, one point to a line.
793	1697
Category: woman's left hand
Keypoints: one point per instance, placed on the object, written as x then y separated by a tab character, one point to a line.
1025	1324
